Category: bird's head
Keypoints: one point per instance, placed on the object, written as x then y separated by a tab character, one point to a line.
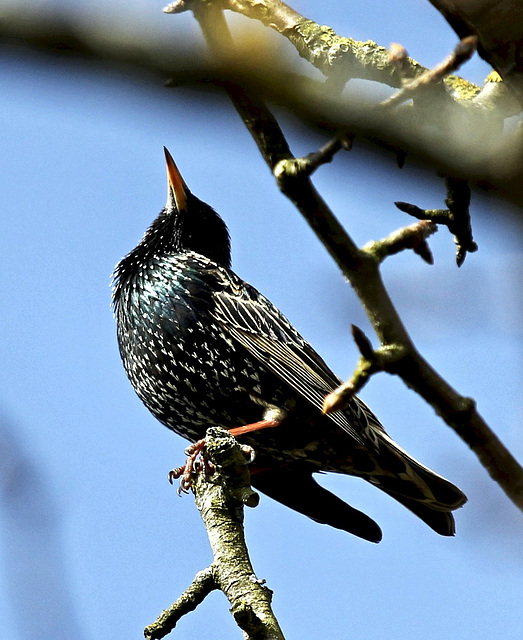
188	224
184	224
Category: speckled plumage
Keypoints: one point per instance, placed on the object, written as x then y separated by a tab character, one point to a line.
202	347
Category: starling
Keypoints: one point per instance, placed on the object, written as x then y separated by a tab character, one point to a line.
202	347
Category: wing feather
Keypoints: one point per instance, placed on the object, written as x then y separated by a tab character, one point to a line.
263	330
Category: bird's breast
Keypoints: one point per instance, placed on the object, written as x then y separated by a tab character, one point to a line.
188	372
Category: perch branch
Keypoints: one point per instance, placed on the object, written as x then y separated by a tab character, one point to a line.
220	499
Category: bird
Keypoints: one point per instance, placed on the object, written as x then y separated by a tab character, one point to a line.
202	347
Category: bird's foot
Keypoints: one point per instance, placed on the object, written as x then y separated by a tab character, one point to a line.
193	464
248	452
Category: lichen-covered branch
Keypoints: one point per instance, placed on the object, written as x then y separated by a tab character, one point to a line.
221	498
220	501
195	594
470	141
318	44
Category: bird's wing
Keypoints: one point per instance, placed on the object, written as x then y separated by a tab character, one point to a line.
263	330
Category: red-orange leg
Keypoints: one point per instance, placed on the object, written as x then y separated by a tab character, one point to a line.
255	426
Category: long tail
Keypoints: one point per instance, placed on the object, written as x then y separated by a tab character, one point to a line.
427	494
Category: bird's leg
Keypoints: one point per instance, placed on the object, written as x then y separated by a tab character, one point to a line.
255	426
192	464
272	417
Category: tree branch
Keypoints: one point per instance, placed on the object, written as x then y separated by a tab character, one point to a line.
456	217
470	140
220	499
496	166
463	52
194	595
332	54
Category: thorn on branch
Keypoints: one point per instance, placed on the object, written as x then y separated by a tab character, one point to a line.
456	217
463	52
412	237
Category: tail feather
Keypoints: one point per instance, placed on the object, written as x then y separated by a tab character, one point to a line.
417	478
427	494
295	487
441	522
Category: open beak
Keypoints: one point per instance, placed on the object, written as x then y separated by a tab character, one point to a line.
176	188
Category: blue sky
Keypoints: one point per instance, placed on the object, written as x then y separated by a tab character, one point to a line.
95	542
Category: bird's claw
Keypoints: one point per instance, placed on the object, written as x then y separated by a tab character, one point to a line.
248	452
191	465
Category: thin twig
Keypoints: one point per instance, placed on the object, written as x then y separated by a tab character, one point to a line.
456	217
195	594
308	164
368	364
413	237
463	52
